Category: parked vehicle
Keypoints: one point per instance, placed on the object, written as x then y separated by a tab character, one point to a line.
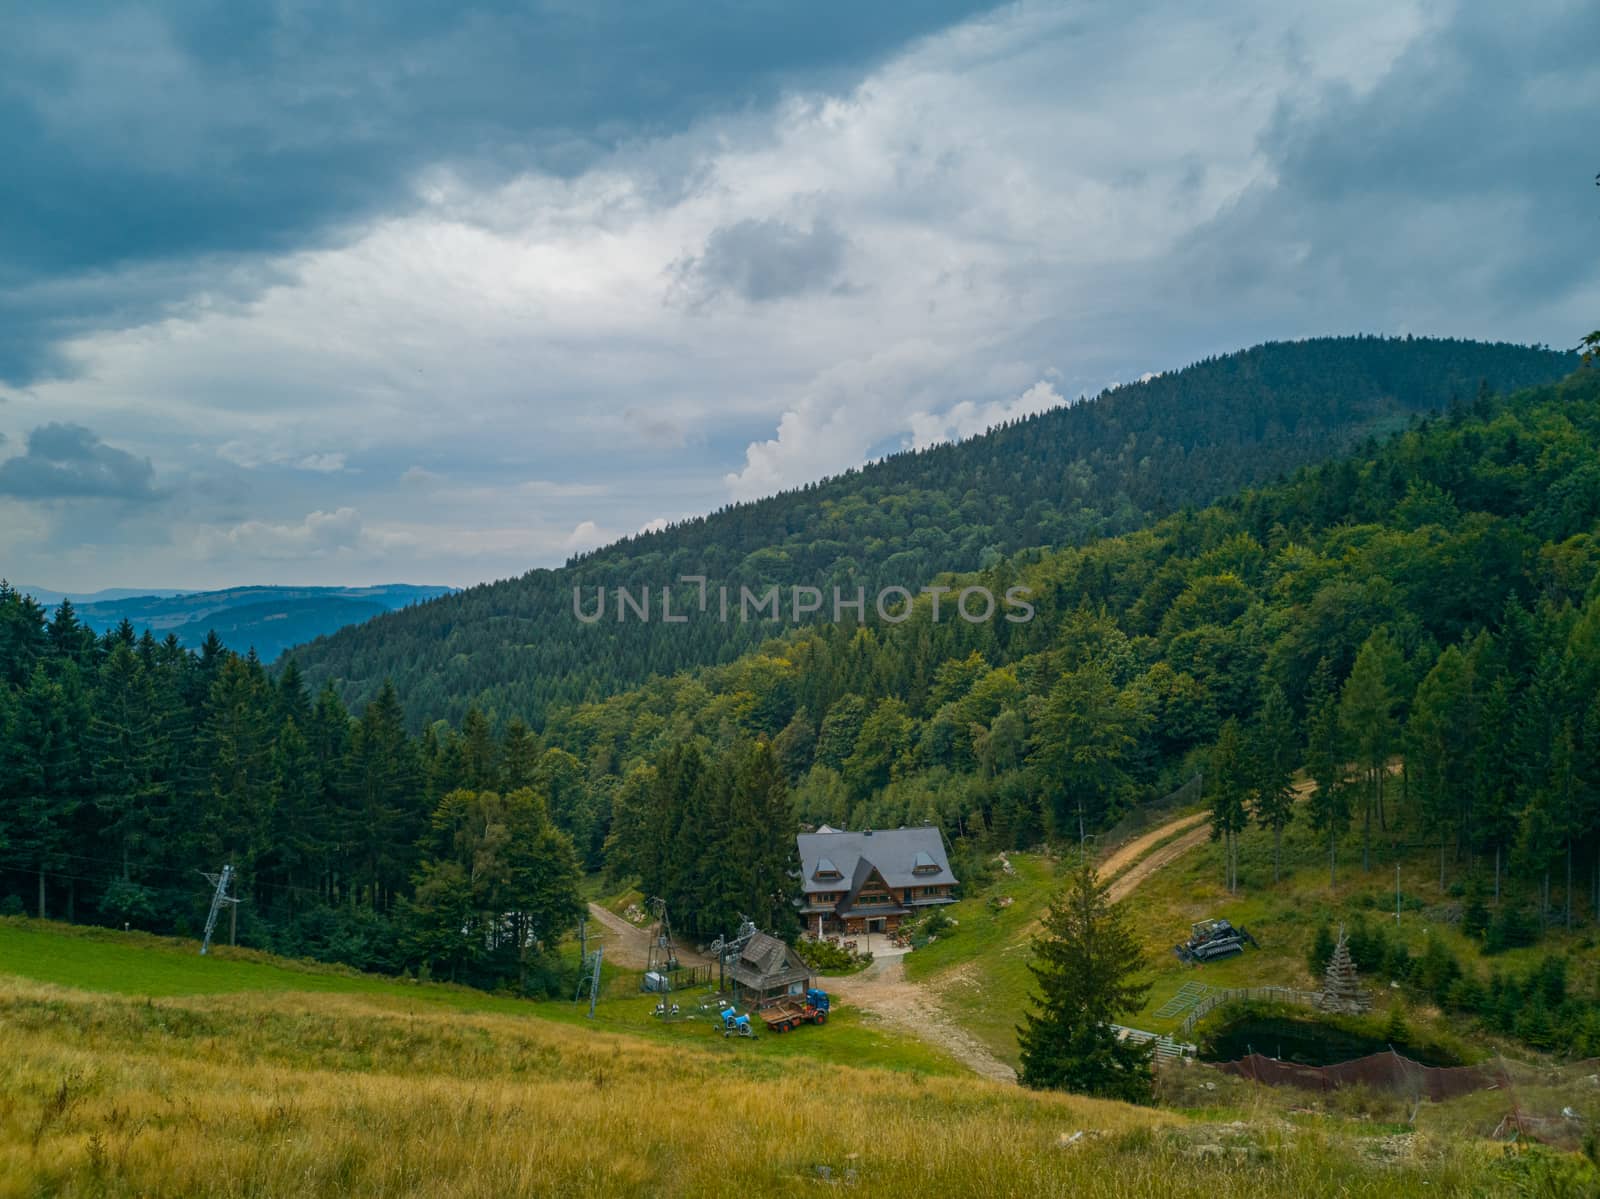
786	1014
1213	939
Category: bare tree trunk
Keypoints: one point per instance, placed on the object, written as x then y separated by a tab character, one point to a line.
1569	884
1497	875
41	893
1366	834
1441	861
1277	852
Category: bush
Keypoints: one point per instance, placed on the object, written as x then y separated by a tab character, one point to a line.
11	905
1510	929
829	958
130	903
1395	1029
1369	947
1436	972
1475	913
1321	950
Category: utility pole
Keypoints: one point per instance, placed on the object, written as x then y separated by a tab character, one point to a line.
589	976
1397	892
219	897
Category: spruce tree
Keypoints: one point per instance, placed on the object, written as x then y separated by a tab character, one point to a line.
1228	779
1085	961
1275	748
1366	712
44	773
122	747
1325	756
382	781
1439	737
300	831
235	754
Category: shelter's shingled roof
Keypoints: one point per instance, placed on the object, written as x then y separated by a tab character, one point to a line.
766	962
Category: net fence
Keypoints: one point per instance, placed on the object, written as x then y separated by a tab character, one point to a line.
1555	1103
1381	1071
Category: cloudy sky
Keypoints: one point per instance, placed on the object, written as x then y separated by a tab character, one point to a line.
330	294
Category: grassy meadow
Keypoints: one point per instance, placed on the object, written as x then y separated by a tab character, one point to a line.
129	1066
136	964
269	1092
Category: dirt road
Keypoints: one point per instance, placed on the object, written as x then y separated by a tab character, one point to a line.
628	945
883	990
1198	833
1136	851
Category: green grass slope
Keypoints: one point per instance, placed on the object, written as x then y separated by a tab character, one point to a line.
138	965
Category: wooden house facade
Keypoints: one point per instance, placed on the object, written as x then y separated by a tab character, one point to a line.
870	881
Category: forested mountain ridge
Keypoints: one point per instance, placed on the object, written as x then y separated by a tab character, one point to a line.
267	619
1433	597
1438	597
1097	468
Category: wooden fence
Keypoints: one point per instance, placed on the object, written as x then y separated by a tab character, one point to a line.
631	982
1166	1048
1216	999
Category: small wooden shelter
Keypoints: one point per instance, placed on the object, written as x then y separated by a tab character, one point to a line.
768	970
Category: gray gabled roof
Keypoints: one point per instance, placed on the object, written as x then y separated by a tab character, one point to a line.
766	962
895	853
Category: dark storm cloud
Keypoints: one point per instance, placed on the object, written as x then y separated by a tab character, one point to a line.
766	260
1464	172
238	128
65	461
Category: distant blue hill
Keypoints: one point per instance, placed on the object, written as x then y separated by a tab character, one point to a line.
266	619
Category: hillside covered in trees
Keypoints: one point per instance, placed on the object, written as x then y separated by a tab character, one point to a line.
1431	601
1099	468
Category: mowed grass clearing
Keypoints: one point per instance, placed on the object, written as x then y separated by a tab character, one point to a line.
979	969
140	965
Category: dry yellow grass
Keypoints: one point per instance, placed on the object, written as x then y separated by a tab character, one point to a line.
301	1094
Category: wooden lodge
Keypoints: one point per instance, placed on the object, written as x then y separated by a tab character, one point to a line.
870	881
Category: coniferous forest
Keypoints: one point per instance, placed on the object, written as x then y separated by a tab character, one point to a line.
1428	599
1066	477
